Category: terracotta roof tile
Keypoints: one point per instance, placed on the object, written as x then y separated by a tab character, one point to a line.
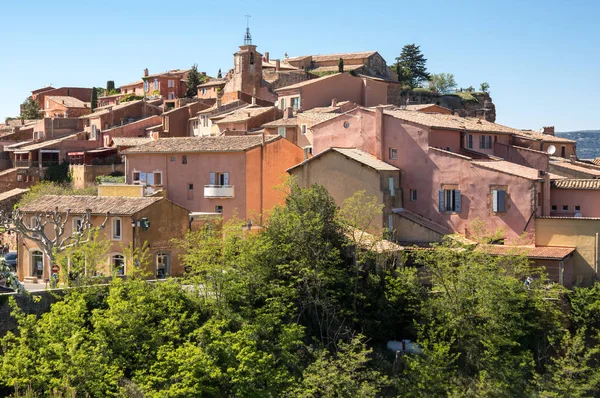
423	221
591	170
335	57
290	122
136	83
202	144
45	144
245	114
12	193
69	102
504	166
573	183
538	252
533	135
130	141
357	155
214	82
117	205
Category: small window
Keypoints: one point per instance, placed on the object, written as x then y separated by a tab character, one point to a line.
295	103
449	200
203	91
346	125
219	209
303	129
171	96
173	158
157	178
117	230
499	201
118	264
184	159
578	208
171	83
413	195
77	224
393	153
553	208
565	208
191	187
136	176
19	177
281	131
469	141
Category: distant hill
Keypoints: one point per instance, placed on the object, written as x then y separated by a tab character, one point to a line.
588	142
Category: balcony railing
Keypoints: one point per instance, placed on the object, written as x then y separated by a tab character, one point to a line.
21	163
218	191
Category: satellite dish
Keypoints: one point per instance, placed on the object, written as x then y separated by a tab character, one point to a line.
578	215
551	150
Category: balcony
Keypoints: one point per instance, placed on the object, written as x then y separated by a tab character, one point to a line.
22	163
218	191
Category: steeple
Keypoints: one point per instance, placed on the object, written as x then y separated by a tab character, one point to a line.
248	36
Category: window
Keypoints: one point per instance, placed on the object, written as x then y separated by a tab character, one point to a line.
155	84
346	125
117	262
563	151
190	191
19	177
413	195
173	158
498	200
162	265
157	178
390	223
449	200
146	86
485	142
171	95
184	159
303	129
393	153
295	103
282	104
37	263
553	208
219	179
577	208
391	186
203	91
191	187
281	131
117	233
470	141
171	83
565	208
219	209
77	225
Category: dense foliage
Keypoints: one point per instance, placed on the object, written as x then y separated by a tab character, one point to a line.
295	310
411	66
30	109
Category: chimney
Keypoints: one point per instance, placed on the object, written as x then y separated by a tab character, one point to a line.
146	72
573	158
379	132
334	102
288	113
266	56
549	130
277	65
253	100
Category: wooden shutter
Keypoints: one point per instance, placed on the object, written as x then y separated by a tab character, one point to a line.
212	178
225	178
495	201
457	203
481	142
441	200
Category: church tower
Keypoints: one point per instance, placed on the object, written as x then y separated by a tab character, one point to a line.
247	72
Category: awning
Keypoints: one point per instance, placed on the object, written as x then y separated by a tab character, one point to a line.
75	153
49	150
102	150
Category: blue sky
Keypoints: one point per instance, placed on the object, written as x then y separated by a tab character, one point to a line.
541	58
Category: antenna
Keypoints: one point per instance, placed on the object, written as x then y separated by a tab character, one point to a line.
551	150
248	36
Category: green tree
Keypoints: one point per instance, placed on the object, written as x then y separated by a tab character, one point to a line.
110	86
341	66
443	83
413	61
52	188
193	80
30	109
484	87
94	99
219	74
58	173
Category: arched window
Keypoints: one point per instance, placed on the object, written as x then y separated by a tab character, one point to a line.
163	265
37	263
117	262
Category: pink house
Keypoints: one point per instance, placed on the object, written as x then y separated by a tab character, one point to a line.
229	175
341	86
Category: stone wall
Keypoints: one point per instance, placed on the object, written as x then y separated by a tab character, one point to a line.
278	79
85	175
468	108
26	303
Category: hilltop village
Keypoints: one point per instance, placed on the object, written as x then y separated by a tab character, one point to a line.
338	120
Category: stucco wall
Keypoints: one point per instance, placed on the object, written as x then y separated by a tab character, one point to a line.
523	156
578	233
588	201
409	231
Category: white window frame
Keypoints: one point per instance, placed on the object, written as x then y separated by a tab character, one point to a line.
496	200
74	222
413	195
112	228
31	265
171	83
303	129
393	154
281	131
111	256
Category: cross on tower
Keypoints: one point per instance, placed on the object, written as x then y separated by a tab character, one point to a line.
247	37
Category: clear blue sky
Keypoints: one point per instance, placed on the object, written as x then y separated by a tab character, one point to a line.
541	58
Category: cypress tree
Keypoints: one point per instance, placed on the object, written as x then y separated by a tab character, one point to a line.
341	66
94	101
219	75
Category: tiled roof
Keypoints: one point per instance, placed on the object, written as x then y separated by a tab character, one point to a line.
325	69
69	102
596	161
45	144
105	109
450	122
357	155
318	117
335	57
423	106
282	65
539	252
117	205
39	90
130	141
576	183
308	82
423	221
215	82
174	73
578	167
290	122
11	193
136	83
532	135
506	167
8	171
202	144
367	241
245	114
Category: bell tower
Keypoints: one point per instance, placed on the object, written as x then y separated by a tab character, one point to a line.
247	72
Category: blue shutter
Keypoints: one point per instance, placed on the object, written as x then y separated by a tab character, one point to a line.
502	200
441	200
212	178
457	204
495	201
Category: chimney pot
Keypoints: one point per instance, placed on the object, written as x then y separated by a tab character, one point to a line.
549	130
146	72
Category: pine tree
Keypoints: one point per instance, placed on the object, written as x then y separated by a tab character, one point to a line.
412	60
30	109
341	66
94	100
193	80
219	74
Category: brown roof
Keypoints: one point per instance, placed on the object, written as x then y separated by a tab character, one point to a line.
106	109
117	205
450	122
308	82
423	106
506	167
325	69
596	161
202	144
12	193
318	117
290	122
45	144
136	83
171	73
215	82
69	102
335	57
538	252
130	141
579	167
283	65
575	183
245	114
357	155
532	135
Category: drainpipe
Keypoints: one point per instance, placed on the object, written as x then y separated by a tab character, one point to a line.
596	254
379	132
262	159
